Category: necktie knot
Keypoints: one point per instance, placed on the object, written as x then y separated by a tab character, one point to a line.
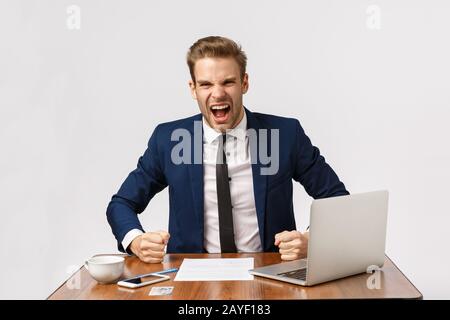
221	158
224	138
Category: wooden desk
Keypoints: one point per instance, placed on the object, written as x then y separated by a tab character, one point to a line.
393	284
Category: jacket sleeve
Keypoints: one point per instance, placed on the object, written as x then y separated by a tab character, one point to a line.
311	170
136	191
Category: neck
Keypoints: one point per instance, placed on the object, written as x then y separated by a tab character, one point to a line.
241	115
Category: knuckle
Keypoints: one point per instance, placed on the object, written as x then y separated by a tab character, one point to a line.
145	254
146	236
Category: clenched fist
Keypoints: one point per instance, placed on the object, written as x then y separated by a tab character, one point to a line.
149	247
293	245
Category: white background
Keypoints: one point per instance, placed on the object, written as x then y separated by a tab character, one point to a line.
78	106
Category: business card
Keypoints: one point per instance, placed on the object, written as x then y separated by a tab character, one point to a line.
161	291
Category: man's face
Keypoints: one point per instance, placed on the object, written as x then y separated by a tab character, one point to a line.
218	90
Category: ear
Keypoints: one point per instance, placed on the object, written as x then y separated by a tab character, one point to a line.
192	87
245	84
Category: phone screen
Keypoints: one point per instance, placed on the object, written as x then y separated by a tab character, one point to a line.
138	280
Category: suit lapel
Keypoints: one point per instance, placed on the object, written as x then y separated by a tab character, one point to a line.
196	171
259	181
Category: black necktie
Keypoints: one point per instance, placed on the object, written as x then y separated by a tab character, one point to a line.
226	230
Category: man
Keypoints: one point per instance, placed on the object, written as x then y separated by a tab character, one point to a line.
222	203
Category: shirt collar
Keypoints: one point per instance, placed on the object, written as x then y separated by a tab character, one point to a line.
240	131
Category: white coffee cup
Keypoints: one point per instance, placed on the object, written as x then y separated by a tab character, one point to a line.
105	269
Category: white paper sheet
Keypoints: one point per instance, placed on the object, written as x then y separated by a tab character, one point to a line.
225	269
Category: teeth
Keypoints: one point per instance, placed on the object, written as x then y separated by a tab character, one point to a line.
219	107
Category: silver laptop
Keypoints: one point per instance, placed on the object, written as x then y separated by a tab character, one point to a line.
347	234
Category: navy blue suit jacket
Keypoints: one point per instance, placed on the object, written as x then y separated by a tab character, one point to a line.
299	160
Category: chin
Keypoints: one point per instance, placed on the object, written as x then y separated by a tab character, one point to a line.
222	127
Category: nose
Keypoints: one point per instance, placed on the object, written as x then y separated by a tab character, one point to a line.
218	93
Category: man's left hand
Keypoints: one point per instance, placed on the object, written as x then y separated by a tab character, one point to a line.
293	245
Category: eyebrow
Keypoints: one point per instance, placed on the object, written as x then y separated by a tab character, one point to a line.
232	78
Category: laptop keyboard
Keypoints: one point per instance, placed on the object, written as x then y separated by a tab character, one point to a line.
299	274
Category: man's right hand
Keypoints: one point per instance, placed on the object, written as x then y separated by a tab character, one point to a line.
149	247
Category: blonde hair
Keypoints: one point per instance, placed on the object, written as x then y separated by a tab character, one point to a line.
216	47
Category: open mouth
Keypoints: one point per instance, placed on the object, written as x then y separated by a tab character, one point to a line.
220	112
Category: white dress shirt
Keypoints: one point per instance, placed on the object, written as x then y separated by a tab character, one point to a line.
245	223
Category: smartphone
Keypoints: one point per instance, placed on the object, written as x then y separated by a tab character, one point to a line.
143	280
